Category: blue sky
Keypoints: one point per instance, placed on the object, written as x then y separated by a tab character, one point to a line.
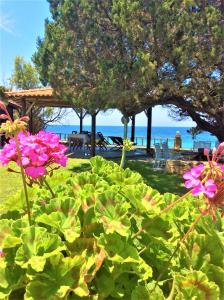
21	22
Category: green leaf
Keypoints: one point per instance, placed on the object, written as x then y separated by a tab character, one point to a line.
60	277
195	285
65	219
7	236
145	293
112	211
36	241
11	277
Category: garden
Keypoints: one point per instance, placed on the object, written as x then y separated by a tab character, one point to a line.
98	231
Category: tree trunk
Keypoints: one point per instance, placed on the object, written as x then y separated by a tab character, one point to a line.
93	135
149	129
133	128
81	121
31	121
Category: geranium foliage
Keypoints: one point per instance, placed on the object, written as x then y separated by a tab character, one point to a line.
91	241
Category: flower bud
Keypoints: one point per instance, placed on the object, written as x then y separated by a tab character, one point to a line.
3	116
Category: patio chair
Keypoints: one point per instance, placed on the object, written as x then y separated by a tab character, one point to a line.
102	142
117	141
167	153
159	159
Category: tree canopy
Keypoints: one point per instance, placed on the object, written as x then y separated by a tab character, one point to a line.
25	76
133	54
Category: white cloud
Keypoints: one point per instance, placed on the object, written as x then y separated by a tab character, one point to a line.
6	22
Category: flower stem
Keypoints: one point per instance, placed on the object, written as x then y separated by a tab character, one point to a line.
123	157
162	211
24	181
48	186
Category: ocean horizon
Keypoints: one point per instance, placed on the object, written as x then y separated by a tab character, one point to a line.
158	133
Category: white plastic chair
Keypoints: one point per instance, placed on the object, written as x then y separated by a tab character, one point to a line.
159	159
167	153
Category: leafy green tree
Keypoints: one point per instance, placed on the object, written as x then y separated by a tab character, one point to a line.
25	76
134	54
184	42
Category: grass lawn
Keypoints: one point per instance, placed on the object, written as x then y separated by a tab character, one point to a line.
10	182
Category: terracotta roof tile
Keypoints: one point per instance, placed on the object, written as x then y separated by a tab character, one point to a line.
41	92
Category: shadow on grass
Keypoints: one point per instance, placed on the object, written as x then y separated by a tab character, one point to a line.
159	180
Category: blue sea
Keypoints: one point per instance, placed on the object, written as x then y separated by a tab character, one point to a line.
158	133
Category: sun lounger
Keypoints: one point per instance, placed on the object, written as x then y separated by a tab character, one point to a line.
101	142
117	141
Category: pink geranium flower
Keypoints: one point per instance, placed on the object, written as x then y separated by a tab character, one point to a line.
192	177
209	189
38	152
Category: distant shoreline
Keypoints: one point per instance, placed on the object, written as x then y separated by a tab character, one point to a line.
159	133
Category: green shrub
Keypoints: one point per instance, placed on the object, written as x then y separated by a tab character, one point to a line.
88	242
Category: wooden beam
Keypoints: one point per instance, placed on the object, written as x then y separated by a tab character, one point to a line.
93	134
31	121
81	121
28	110
149	129
133	128
23	111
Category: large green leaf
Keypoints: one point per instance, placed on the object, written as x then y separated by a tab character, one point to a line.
11	277
8	239
195	285
145	293
65	219
37	246
112	211
60	277
119	251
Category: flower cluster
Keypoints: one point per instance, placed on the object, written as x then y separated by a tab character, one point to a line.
38	152
128	145
194	181
208	179
11	128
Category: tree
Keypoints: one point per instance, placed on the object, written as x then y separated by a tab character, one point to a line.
78	49
133	54
184	42
25	76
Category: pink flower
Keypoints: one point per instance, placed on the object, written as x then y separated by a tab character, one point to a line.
192	177
35	172
38	152
209	189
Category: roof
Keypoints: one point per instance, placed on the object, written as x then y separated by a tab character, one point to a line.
40	92
45	97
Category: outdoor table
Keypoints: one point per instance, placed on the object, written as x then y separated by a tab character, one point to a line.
78	136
